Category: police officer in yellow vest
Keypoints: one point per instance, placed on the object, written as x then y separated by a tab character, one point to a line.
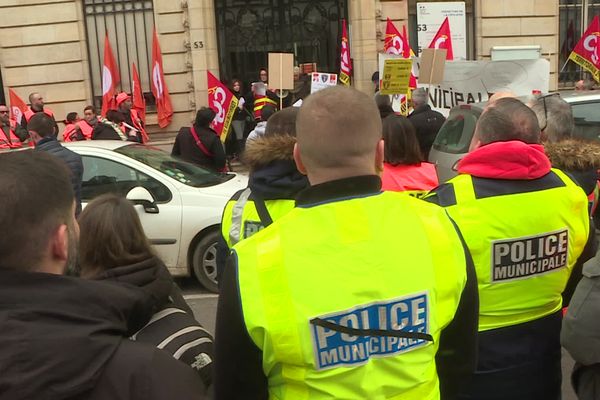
355	293
274	182
525	225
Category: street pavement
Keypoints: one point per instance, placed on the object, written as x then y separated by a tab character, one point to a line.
204	305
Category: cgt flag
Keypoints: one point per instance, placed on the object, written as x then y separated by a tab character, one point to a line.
17	106
587	51
110	78
139	103
164	107
443	40
346	64
223	102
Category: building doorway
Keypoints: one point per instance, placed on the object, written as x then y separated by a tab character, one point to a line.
248	30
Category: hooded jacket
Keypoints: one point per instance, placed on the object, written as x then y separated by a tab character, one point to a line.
171	326
65	338
579	159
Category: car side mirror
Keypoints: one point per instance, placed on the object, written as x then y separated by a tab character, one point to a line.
141	196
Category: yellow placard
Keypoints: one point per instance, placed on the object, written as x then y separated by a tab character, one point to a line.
396	76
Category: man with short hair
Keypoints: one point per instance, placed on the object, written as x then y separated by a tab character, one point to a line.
37	104
525	225
64	337
41	129
134	126
426	121
12	135
355	293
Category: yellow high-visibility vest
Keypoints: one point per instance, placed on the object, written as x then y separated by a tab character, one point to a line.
381	262
524	245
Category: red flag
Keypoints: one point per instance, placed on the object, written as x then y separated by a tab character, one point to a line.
139	103
587	51
159	87
110	78
223	102
443	40
346	64
394	42
17	106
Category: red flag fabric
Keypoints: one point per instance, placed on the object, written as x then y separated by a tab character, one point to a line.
17	106
394	42
443	40
223	102
587	51
110	78
139	103
346	64
164	107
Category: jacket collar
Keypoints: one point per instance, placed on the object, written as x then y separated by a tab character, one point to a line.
506	160
342	189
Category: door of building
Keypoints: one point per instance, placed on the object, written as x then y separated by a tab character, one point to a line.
249	29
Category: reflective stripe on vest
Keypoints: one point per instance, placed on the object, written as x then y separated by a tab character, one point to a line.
259	103
335	262
524	246
236	227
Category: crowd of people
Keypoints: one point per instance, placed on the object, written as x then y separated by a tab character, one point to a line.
346	270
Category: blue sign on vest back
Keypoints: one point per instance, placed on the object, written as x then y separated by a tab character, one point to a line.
334	349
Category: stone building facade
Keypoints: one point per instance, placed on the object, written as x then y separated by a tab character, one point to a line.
45	44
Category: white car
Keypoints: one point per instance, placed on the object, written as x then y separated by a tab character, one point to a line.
180	204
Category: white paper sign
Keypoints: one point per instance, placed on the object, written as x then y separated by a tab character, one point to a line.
468	82
429	19
320	81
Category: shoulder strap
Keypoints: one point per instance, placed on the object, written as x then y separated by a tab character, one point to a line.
261	209
199	143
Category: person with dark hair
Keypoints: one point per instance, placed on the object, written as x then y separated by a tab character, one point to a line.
384	105
132	122
261	95
83	129
260	128
12	135
375	80
64	337
242	118
111	128
72	131
426	121
37	104
274	182
41	130
113	247
526	226
325	302
200	144
403	167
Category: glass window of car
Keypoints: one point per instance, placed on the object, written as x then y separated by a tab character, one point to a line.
182	171
587	119
102	176
456	133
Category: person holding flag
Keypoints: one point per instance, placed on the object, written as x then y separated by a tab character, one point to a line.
200	144
587	51
443	40
345	60
133	123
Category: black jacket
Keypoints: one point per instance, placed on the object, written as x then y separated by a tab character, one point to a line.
239	373
427	123
104	131
73	161
185	147
65	338
172	316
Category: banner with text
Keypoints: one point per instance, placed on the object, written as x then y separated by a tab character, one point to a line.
224	103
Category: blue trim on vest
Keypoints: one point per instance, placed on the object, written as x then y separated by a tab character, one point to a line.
336	200
486	187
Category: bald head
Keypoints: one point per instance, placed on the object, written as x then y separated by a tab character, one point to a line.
338	132
507	119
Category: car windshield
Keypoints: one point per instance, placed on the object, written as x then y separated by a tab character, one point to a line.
456	133
182	171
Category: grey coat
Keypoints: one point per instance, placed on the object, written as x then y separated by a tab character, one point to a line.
581	332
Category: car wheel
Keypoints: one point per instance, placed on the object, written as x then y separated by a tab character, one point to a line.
204	261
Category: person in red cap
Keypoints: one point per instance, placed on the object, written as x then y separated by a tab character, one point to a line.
133	123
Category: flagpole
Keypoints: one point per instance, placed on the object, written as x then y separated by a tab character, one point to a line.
564	65
281	81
